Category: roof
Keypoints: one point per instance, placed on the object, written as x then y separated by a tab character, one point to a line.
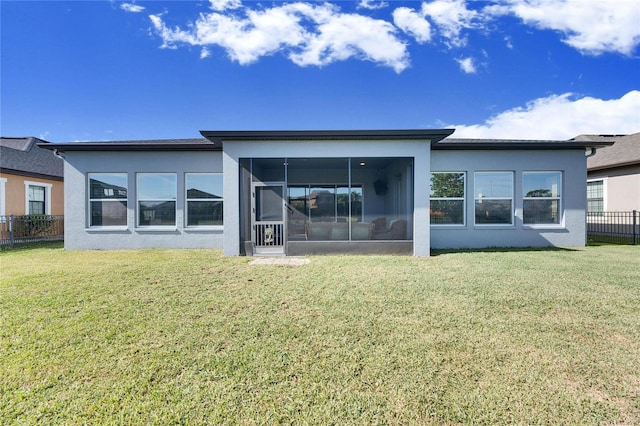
517	144
25	156
219	136
624	152
199	144
214	139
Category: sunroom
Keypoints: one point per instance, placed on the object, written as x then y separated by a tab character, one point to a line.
326	192
312	205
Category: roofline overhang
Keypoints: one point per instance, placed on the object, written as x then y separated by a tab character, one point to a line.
221	136
472	144
214	140
130	146
30	174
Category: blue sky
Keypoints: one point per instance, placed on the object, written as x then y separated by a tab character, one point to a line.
110	70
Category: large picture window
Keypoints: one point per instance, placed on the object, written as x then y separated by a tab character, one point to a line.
327	204
541	197
204	199
157	194
493	198
447	198
107	199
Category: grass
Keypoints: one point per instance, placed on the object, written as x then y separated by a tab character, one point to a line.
189	337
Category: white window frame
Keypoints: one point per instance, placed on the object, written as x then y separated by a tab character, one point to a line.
110	227
512	198
47	195
174	199
187	199
3	192
604	193
559	198
463	199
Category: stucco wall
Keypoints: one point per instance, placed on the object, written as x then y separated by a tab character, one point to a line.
234	151
15	193
621	188
78	235
570	232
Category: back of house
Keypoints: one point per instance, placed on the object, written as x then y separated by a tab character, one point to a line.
329	191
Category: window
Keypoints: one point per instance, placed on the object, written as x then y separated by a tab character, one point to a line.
108	199
3	211
327	203
37	197
595	196
493	198
157	194
541	197
447	198
204	199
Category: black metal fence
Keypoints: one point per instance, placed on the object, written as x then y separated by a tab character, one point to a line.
614	227
30	228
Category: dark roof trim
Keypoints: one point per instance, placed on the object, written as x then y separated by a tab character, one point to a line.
142	145
31	174
213	140
498	144
220	136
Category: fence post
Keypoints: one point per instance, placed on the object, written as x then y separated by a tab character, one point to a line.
635	224
11	230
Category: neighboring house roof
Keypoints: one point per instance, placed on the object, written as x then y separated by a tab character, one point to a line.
214	140
624	152
25	156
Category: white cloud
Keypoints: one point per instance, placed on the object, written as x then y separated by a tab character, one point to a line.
508	42
327	36
451	17
560	117
220	5
130	7
344	36
467	65
372	4
592	27
314	33
412	23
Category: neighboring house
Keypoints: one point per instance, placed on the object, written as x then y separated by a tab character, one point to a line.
308	192
31	178
613	174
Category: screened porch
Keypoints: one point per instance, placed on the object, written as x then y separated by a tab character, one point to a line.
315	205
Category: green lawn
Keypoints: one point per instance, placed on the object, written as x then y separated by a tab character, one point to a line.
189	337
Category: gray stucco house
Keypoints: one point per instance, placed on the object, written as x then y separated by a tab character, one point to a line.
311	192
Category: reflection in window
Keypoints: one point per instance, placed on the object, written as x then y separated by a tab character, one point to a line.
447	198
324	204
204	199
107	199
156	199
493	198
541	197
